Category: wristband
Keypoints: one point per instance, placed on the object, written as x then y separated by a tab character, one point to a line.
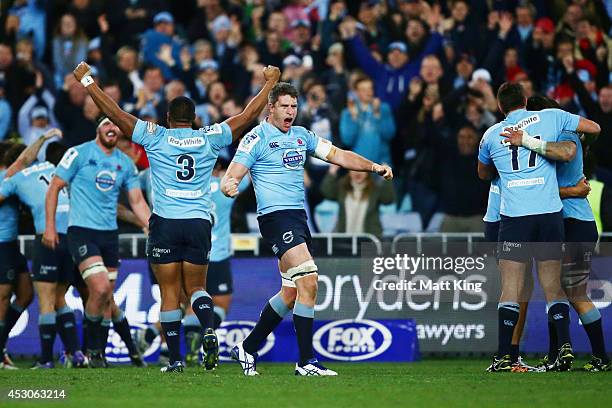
87	80
531	143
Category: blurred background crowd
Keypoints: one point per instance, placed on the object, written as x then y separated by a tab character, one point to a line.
406	82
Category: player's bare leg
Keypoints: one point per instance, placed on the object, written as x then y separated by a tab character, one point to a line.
24	293
169	279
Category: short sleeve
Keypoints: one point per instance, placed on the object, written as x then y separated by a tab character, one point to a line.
146	132
312	141
567	121
568	137
8	186
248	149
484	155
219	135
69	165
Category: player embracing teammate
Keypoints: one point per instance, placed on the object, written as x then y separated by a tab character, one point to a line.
531	224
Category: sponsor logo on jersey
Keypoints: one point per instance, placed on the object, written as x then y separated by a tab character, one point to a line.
288	237
233	332
187	142
293	159
352	340
105	180
300	142
274	145
151	127
248	142
69	157
212	129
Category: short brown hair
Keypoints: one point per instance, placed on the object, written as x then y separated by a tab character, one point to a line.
281	89
510	96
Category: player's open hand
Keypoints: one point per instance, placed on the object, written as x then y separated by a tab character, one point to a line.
51	133
512	136
582	188
271	73
81	71
50	238
230	187
383	170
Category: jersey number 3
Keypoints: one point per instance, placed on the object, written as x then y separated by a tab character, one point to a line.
514	151
187	164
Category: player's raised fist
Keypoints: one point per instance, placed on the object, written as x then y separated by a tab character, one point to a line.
229	187
383	170
271	73
81	70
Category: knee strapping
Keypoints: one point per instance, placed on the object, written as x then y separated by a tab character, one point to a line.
298	272
94	268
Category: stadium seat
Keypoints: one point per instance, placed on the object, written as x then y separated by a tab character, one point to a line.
326	215
401	222
435	223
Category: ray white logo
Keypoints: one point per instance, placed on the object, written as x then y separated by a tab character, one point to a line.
233	332
187	142
352	340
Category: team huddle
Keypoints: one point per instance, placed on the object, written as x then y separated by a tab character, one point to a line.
538	211
73	196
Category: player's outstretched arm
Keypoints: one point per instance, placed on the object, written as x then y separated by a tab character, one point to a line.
139	207
558	151
239	122
122	119
27	157
50	237
232	178
588	127
351	161
486	172
580	190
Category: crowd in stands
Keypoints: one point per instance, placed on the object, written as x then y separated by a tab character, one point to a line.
411	83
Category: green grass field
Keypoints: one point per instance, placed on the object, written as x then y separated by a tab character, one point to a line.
433	383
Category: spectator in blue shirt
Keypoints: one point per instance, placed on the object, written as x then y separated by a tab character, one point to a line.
391	79
367	125
159	46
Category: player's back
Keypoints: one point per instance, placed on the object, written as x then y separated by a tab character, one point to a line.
9	218
568	175
528	181
181	161
276	161
31	185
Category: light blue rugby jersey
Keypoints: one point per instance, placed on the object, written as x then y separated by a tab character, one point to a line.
528	182
9	218
276	162
221	214
181	162
570	173
95	180
493	202
30	186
